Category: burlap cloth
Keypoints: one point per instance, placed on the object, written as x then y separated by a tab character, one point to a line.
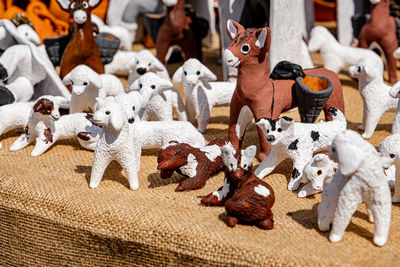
50	217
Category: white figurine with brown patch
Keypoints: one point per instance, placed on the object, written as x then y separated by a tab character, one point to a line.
360	178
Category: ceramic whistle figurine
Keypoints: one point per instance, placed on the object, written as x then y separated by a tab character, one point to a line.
381	28
298	141
81	49
246	198
265	97
198	164
201	91
389	150
359	178
375	94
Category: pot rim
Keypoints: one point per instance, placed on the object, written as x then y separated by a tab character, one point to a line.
308	90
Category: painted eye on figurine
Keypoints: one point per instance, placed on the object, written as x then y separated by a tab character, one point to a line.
133	108
149	64
85	5
73	5
267	131
245	166
140	86
85	83
137	62
319	172
184	72
72	82
279	130
231	165
358	69
153	86
392	155
245	49
107	112
198	72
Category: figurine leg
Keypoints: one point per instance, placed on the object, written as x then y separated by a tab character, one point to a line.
396	194
231	221
392	66
100	164
191	184
178	106
41	146
381	214
236	107
203	118
307	190
266	224
364	118
371	121
218	197
22	141
341	219
132	173
268	164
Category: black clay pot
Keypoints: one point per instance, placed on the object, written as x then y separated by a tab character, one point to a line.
311	102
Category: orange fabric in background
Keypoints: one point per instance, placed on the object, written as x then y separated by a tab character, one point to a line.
47	21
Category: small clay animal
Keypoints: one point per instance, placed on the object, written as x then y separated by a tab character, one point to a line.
389	150
198	164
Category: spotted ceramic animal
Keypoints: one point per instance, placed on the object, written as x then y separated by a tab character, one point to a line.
298	141
198	164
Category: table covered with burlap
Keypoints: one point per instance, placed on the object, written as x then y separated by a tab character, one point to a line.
50	217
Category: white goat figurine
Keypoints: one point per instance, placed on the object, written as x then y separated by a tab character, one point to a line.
46	126
360	178
201	94
298	141
317	174
374	92
14	115
87	85
336	56
117	142
389	149
161	105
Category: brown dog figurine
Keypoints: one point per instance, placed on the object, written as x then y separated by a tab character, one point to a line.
176	30
381	28
249	53
246	198
81	48
198	164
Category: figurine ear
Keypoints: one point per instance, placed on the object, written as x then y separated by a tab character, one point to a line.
134	86
64	4
233	28
263	38
158	65
62	101
117	121
286	122
349	158
96	81
163	85
250	153
177	78
94	3
38	106
67	79
207	75
100	102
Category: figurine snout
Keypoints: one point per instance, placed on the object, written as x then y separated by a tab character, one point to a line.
80	16
230	59
270	138
141	71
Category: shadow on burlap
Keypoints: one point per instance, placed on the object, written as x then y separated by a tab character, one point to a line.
49	216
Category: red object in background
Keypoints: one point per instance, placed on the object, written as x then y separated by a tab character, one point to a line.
324	10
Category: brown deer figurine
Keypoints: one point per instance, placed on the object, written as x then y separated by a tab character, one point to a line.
246	198
381	28
81	48
195	163
249	53
176	30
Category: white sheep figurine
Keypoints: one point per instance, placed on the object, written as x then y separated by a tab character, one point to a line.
14	115
298	141
201	94
374	92
318	173
161	105
395	93
87	85
46	126
389	149
11	35
117	142
359	178
336	56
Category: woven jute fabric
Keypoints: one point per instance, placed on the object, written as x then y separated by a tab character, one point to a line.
50	217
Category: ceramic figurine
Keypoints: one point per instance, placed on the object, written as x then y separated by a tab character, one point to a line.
201	94
26	72
374	92
144	61
198	164
14	116
119	64
389	149
46	126
298	141
318	173
86	85
336	56
395	93
162	105
381	28
176	30
249	53
125	12
11	35
117	142
120	32
81	48
360	178
246	198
